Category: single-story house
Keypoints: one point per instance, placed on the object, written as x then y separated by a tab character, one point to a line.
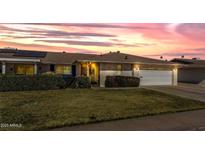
97	67
193	70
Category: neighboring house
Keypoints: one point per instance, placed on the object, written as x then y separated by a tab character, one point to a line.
97	67
193	70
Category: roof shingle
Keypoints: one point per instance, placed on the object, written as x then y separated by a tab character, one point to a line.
118	57
69	58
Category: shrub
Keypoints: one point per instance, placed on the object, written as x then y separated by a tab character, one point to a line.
69	80
48	73
81	82
28	82
122	81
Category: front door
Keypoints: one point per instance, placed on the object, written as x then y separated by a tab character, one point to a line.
93	72
73	70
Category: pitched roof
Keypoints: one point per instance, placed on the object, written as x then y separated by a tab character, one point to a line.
46	57
69	58
65	58
190	62
14	53
118	57
6	55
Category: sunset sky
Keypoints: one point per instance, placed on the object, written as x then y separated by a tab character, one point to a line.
150	40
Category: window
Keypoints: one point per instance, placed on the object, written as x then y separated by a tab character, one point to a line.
39	68
24	69
52	67
84	69
119	67
0	68
63	69
126	67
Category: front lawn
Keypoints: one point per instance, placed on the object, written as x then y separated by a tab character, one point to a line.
40	110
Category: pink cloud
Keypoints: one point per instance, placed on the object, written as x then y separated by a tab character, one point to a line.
155	38
192	31
43	47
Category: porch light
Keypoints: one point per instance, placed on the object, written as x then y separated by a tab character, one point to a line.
136	67
175	69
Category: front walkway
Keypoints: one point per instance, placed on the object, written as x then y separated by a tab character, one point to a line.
191	120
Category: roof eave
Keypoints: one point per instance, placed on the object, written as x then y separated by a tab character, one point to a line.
19	60
176	64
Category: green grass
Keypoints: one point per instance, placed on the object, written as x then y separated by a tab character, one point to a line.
40	110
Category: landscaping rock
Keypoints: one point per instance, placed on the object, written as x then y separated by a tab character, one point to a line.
202	83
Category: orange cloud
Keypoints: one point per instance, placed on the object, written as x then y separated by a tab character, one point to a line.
150	39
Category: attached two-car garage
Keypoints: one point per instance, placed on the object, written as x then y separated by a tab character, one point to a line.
147	77
150	71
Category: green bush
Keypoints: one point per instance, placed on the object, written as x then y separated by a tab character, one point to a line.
69	80
28	82
122	81
81	82
48	73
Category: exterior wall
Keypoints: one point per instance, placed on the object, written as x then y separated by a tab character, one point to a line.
10	68
175	77
0	68
126	73
43	68
108	66
155	67
191	75
114	66
126	67
78	69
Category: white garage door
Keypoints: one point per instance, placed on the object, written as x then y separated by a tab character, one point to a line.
155	77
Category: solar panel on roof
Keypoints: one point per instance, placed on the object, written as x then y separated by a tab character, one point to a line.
30	54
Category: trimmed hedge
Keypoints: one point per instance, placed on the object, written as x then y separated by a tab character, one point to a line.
24	83
122	81
41	82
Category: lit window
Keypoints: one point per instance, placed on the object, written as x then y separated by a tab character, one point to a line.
63	69
84	69
119	67
24	69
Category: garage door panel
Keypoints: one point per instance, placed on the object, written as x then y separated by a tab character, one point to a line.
155	77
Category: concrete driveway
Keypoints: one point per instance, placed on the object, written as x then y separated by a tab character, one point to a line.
191	120
192	91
